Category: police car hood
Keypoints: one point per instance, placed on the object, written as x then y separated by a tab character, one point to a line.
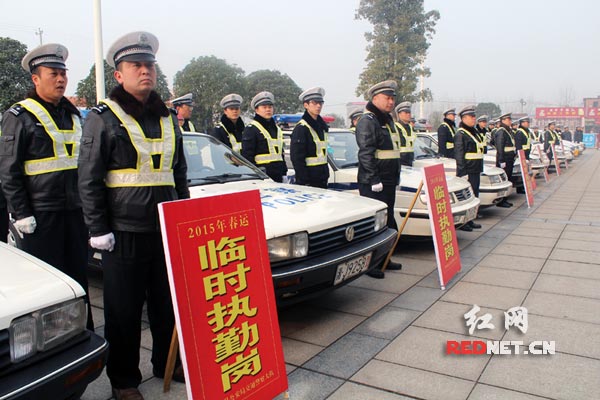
411	177
29	284
293	208
450	165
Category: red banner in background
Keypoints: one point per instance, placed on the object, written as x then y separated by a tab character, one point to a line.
526	178
222	291
442	223
558	112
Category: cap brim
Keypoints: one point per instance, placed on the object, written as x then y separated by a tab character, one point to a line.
52	65
141	57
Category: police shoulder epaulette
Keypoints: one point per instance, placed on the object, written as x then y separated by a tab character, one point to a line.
100	108
172	110
17	109
368	115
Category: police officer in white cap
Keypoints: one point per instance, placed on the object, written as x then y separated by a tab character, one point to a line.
378	142
308	144
39	147
184	106
123	177
407	135
230	127
446	132
505	150
262	139
469	150
523	137
482	129
354	117
550	138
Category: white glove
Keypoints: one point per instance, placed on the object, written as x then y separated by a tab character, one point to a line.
502	165
377	187
26	225
104	242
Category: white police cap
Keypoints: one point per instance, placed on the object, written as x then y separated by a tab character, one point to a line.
467	110
51	55
523	119
231	100
355	114
504	116
183	100
404	106
314	93
134	46
386	87
262	98
450	111
483	118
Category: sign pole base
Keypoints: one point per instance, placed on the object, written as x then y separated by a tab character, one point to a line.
170	367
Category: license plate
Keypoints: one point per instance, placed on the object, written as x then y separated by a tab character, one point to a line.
503	193
352	268
471	214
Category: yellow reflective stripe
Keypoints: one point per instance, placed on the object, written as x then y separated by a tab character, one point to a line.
527	145
473	156
479	145
509	149
450	128
237	146
321	147
61	160
409	139
275	145
145	174
387	154
449	145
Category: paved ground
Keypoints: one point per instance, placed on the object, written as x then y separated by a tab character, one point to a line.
385	339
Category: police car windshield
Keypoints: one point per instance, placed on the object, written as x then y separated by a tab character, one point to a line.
210	161
342	149
422	148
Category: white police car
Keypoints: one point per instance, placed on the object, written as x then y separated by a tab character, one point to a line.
45	350
317	239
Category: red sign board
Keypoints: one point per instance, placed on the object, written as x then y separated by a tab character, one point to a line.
544	158
442	223
558	112
222	291
556	160
526	178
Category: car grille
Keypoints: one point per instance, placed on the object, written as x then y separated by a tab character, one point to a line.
328	239
4	349
462	195
503	177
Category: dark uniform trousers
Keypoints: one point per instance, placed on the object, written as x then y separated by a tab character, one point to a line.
136	263
387	195
60	239
474	180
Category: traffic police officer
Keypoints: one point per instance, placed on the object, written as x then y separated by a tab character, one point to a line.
407	135
378	142
354	117
132	159
523	137
184	106
469	149
505	151
567	135
230	127
308	144
39	147
550	138
578	135
536	135
446	132
262	139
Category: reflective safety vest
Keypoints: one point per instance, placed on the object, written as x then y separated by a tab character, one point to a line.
321	145
537	137
61	139
409	139
553	138
390	154
275	145
478	154
512	139
144	174
237	146
527	145
450	145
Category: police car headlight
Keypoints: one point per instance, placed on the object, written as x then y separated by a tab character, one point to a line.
380	220
493	179
46	328
290	246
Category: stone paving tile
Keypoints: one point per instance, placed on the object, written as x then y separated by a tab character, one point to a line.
500	277
449	317
413	266
568	285
311	385
354	391
523	250
316	325
486	392
580	245
572	337
536	232
497	233
542	225
558	376
561	306
530	241
297	353
418	298
499	297
153	389
342	359
487	241
394	282
354	300
475	252
583	229
425	349
576	256
387	323
413	382
577	270
503	261
581	236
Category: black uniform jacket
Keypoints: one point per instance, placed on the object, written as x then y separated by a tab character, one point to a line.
406	158
302	145
484	133
24	138
463	143
578	136
372	134
504	139
446	136
567	135
521	139
235	129
549	138
254	142
105	146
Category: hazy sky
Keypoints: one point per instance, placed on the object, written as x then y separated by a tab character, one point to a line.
542	51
